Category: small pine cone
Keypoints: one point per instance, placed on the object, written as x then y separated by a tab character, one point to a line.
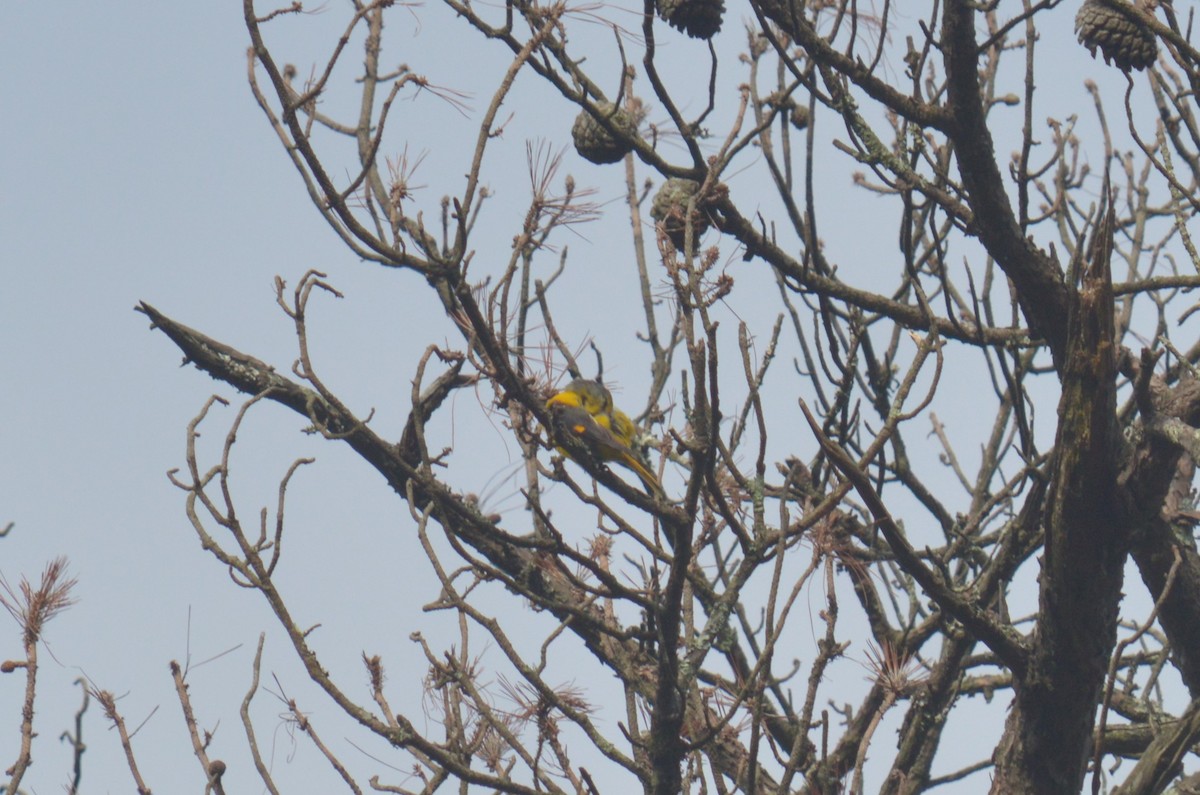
1121	37
700	19
594	143
669	208
799	116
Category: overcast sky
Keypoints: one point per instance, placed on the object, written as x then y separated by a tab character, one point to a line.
136	167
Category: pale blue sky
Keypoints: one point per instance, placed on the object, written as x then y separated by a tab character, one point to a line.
136	166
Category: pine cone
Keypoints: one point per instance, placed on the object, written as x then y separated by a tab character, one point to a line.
799	117
670	209
1122	38
700	19
594	143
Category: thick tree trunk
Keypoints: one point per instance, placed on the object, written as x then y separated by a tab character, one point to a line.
1048	734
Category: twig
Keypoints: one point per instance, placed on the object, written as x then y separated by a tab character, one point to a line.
76	739
109	704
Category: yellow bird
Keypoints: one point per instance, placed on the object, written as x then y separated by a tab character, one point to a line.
585	409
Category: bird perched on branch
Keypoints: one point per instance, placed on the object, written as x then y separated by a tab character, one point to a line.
585	409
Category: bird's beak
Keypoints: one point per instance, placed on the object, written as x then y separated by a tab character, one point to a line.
563	399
